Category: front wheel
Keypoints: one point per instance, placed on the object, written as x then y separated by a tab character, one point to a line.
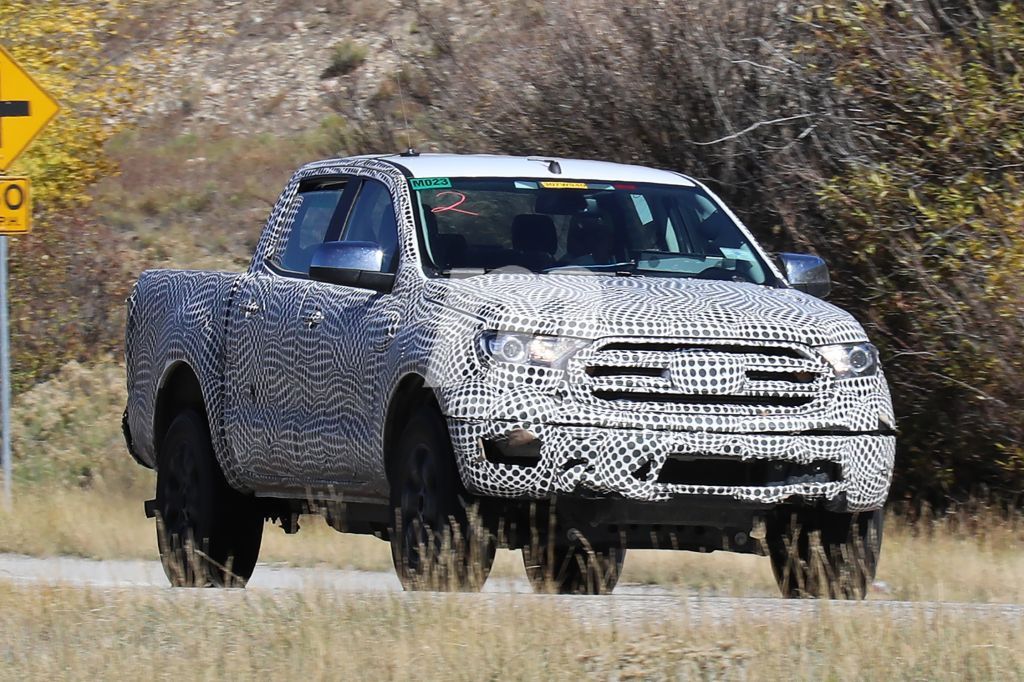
815	553
437	542
208	533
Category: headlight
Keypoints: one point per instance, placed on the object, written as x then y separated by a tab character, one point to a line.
527	349
851	360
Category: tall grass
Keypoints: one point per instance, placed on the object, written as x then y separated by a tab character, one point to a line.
199	634
938	561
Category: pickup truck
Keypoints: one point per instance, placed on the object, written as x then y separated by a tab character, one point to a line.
456	353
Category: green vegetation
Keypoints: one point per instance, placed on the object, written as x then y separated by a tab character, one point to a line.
346	57
932	216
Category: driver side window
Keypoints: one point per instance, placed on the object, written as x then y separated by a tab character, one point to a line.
317	211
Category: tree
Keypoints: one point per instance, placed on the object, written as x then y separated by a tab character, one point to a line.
69	275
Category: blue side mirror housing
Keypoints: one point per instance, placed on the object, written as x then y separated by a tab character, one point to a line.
352	264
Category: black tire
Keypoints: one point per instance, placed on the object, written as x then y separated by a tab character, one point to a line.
816	553
208	533
575	568
437	541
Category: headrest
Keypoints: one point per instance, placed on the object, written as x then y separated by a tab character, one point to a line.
583	230
534	232
449	250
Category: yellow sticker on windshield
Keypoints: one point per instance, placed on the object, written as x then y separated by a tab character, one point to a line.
548	184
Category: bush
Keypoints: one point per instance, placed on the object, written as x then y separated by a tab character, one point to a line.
69	276
885	136
346	58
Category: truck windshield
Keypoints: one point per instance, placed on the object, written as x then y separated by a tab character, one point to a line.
581	227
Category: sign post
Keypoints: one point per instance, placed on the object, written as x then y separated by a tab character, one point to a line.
25	109
5	375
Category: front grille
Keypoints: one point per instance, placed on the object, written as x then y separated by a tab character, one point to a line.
791	377
627	371
753	401
728	471
682	375
677	346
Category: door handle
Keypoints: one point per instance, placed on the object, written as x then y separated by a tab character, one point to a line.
392	321
250	308
314	318
391	330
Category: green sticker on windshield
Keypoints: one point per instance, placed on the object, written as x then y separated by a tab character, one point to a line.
420	184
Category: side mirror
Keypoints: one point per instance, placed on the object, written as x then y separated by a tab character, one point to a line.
351	264
806	273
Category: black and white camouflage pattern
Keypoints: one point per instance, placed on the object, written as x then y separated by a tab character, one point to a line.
300	406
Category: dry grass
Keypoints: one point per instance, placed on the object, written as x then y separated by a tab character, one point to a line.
198	201
946	563
114	634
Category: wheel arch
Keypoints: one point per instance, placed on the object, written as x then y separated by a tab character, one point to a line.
180	389
410	393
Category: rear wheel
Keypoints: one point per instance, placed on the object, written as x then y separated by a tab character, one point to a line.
816	553
437	542
574	568
208	533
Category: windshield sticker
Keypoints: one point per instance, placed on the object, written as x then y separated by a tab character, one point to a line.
420	184
548	184
525	184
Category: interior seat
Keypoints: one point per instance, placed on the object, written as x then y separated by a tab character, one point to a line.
535	240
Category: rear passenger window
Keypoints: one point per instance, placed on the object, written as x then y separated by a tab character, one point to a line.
312	222
373	220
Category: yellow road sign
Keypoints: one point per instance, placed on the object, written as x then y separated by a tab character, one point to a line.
15	206
25	109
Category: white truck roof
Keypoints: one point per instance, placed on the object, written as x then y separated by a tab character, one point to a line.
493	166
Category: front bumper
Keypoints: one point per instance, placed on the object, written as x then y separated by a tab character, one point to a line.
856	469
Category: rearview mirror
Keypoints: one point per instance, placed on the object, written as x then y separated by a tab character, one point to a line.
351	264
806	273
560	202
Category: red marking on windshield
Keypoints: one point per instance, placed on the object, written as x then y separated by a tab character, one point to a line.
459	201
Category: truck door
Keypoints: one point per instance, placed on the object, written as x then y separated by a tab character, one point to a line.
262	423
343	333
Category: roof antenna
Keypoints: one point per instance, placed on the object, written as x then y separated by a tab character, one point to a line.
554	167
410	151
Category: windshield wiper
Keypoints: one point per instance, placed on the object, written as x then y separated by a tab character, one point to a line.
462	273
624	269
719	274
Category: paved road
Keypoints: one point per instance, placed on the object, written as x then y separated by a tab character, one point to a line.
629	604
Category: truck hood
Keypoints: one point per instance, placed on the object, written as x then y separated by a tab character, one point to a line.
596	306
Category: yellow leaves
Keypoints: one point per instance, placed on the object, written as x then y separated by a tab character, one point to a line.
61	44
